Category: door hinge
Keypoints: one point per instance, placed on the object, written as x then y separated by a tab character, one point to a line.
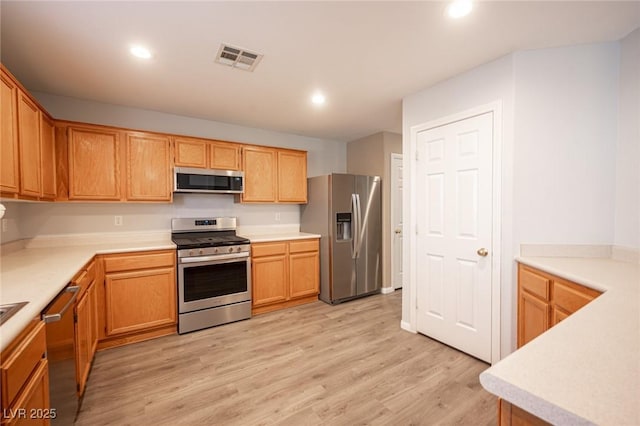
417	155
77	387
75	318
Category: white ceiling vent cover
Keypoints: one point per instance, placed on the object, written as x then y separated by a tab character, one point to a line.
237	57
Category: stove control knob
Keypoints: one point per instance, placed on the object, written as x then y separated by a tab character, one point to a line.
230	249
201	251
190	252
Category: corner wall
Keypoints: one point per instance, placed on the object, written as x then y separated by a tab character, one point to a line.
627	194
371	155
480	86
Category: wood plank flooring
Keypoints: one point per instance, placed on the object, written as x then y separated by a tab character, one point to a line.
311	365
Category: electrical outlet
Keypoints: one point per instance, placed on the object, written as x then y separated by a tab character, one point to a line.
277	217
117	220
5	224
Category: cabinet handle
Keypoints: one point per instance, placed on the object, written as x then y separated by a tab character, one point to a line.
58	316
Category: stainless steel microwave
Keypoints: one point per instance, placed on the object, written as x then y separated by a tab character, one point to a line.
208	181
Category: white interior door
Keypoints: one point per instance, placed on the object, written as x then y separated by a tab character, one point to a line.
396	220
453	241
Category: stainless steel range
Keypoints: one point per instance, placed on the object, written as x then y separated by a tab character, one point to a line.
214	272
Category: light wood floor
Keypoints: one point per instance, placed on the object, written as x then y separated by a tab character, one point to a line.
311	365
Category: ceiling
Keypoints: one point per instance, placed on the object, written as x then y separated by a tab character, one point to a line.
365	56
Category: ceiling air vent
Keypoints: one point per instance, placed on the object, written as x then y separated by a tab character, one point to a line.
237	57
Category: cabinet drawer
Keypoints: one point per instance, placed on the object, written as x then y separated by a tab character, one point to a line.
534	283
572	297
268	249
18	366
136	261
303	245
84	278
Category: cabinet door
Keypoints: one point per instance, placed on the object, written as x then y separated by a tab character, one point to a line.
558	315
48	157
533	317
259	174
9	170
29	144
94	164
190	153
148	168
138	300
34	398
292	176
92	295
269	280
224	156
83	333
303	274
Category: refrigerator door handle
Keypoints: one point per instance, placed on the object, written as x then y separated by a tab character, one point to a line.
355	226
359	226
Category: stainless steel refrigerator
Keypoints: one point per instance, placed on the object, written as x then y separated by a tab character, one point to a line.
346	211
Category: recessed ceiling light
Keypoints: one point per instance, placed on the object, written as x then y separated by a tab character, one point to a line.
459	8
140	52
318	98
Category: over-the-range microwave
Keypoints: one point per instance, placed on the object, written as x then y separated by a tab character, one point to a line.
208	181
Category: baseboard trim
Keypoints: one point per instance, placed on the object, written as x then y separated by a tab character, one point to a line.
407	327
387	290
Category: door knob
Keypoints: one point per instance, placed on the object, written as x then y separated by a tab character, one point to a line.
398	231
482	252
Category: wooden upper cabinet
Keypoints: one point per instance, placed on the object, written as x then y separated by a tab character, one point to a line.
9	168
48	157
148	167
205	154
273	175
292	176
29	143
224	156
190	153
260	174
94	164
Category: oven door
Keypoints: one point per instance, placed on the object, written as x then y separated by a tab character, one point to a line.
211	281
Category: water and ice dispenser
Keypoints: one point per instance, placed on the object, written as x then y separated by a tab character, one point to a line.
343	226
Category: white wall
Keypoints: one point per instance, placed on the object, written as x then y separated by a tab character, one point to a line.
565	144
371	156
559	135
31	219
627	195
324	156
483	85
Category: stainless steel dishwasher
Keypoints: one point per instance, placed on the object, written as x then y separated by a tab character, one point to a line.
58	317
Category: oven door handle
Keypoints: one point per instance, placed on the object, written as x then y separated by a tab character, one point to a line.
218	258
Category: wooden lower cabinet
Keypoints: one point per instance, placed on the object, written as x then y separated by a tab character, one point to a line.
25	378
544	300
138	298
284	274
512	415
86	335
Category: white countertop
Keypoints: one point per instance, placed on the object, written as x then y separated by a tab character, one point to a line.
585	370
281	236
37	274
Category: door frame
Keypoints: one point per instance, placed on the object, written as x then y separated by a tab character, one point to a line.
410	216
393	198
